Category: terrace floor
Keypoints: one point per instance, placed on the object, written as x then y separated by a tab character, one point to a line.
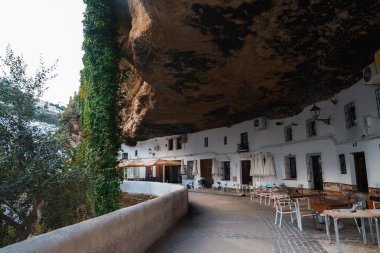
229	223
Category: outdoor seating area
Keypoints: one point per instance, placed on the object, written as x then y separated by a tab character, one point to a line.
298	204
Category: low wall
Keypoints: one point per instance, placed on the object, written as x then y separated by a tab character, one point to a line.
132	229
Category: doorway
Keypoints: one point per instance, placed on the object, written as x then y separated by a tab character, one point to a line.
361	172
148	172
159	173
245	169
317	172
206	168
172	174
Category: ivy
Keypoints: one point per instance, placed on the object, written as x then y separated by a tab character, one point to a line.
98	105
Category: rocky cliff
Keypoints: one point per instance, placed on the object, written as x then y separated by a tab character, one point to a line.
189	65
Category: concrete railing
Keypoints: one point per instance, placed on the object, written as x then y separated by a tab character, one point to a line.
132	229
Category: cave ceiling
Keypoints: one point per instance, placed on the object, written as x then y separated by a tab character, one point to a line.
190	65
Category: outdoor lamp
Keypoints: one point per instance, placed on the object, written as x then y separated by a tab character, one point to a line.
151	152
315	111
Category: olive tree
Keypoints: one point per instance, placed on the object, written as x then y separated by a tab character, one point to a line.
34	162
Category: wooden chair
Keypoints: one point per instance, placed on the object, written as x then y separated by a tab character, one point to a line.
277	195
304	210
255	192
372	204
285	206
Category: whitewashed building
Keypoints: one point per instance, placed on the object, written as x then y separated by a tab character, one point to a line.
342	154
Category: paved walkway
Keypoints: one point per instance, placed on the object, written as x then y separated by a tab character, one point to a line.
219	223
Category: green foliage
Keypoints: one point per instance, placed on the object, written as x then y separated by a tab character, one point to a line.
72	188
98	101
29	156
34	164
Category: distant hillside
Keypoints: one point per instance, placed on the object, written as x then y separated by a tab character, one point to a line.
49	113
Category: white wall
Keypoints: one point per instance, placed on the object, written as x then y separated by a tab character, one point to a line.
331	140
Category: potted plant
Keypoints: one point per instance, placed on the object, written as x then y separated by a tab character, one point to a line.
202	182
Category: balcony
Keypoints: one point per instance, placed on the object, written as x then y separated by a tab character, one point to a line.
243	147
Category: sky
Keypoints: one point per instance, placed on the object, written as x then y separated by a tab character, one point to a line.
52	29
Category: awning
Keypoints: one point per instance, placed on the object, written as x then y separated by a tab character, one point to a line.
150	163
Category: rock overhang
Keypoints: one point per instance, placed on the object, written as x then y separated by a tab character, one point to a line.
190	65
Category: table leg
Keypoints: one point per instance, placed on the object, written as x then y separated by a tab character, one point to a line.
327	228
370	229
337	235
298	216
377	232
363	231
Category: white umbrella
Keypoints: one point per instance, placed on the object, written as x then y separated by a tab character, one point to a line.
214	170
195	169
259	163
269	169
183	167
252	172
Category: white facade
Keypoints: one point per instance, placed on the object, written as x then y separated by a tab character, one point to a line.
330	141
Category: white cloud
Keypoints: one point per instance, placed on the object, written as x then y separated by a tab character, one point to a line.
51	28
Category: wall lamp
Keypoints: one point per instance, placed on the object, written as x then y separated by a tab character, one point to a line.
151	152
315	111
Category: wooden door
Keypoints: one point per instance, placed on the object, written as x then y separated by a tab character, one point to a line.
361	172
167	174
172	174
317	172
245	168
206	168
159	173
148	172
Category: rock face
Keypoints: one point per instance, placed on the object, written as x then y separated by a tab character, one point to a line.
189	65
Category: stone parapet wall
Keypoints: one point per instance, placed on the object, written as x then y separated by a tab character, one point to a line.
132	229
338	187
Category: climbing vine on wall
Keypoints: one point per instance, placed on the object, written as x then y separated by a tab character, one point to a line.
99	80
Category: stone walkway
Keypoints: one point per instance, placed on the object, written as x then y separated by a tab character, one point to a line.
220	223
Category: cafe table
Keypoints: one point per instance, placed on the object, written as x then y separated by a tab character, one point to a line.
311	195
336	214
328	204
376	214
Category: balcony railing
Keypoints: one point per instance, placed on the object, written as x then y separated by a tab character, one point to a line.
243	147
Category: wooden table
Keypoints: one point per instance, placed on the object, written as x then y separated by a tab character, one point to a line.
310	195
257	192
376	214
327	204
344	214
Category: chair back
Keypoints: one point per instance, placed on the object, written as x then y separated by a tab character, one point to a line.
283	201
303	203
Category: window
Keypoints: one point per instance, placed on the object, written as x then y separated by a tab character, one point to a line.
135	173
342	164
206	142
290	167
350	116
189	169
311	128
179	143
226	170
225	140
243	145
136	153
288	133
170	144
244	139
377	92
124	156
